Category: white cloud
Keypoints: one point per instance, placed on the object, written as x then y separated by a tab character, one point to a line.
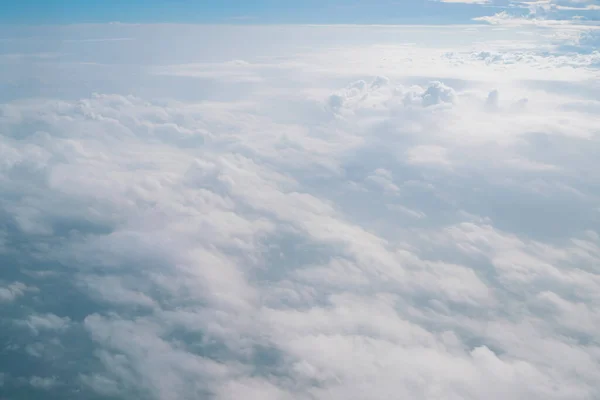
43	383
113	289
46	322
589	39
546	13
428	155
10	292
360	219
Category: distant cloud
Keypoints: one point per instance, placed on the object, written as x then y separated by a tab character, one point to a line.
545	12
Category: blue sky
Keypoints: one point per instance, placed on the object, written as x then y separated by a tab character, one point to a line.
238	11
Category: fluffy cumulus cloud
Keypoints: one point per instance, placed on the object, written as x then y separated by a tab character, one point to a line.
358	213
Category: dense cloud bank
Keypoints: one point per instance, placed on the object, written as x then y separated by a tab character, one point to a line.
366	219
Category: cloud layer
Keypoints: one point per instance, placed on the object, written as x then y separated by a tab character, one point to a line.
362	219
